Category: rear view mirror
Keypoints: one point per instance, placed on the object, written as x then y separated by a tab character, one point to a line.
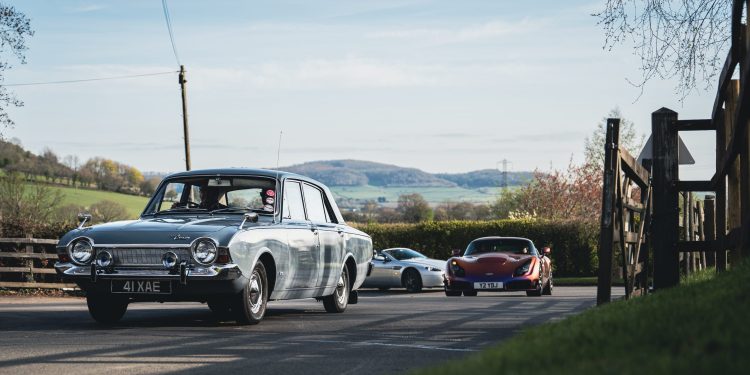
83	218
456	252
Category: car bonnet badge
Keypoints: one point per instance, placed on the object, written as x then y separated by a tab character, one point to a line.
178	237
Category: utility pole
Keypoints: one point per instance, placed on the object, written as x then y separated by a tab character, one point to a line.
504	175
185	117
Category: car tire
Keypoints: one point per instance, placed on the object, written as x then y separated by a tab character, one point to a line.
548	289
412	281
219	306
105	308
536	292
452	293
470	293
337	302
249	305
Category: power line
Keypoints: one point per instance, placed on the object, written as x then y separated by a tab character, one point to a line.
169	28
85	80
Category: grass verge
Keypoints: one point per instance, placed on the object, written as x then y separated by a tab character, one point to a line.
699	327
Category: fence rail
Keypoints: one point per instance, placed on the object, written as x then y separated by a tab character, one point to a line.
29	263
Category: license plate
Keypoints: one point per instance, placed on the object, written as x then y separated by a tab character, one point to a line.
141	286
489	285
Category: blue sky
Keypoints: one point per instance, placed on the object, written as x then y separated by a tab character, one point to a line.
443	86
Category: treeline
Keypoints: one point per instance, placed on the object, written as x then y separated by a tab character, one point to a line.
573	194
99	173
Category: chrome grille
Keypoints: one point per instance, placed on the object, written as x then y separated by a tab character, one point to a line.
145	257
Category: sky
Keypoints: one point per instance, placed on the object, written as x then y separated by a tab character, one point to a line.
444	86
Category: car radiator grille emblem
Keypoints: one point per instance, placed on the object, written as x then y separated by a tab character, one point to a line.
489	274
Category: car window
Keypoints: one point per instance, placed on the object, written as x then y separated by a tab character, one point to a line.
172	193
293	207
316	211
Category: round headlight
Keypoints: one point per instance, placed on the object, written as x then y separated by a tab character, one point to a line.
103	259
82	251
205	251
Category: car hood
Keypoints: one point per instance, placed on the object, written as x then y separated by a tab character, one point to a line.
501	263
161	230
427	263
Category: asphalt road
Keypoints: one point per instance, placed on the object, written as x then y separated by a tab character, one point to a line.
386	332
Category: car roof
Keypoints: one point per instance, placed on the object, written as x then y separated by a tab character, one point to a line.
243	172
502	238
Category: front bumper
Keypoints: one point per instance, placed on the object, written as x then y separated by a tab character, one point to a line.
188	282
522	283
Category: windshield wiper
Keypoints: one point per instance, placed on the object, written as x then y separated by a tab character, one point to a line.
180	209
230	209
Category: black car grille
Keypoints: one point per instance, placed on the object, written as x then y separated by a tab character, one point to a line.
145	257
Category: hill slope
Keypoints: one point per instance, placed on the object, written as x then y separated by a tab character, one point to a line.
363	173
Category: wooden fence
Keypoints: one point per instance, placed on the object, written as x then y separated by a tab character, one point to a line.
29	263
704	232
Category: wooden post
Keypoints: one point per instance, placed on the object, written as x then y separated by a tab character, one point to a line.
721	194
607	231
734	211
685	256
666	209
30	261
700	219
709	227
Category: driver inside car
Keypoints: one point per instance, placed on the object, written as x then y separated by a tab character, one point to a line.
210	199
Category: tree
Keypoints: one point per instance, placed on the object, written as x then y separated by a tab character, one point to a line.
15	27
413	208
106	211
687	39
26	207
593	148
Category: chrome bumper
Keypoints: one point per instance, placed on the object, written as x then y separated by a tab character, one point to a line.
74	272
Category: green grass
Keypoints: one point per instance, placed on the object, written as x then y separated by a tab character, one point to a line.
85	197
698	327
433	195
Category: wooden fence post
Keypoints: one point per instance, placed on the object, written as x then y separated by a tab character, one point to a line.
29	262
666	208
606	233
709	227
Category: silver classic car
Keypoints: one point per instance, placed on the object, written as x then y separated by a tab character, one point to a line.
234	238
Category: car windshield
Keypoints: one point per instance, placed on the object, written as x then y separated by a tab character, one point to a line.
215	194
500	245
403	254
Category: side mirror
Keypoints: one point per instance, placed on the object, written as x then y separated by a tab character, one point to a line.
456	252
250	216
83	218
386	259
546	251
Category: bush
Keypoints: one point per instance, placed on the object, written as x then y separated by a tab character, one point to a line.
574	244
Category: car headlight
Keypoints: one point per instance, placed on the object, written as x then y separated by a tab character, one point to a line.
81	252
205	251
524	269
433	269
457	269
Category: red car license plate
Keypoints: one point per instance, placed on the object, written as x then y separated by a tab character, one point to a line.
142	286
488	285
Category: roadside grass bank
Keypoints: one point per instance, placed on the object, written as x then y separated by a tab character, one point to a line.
698	327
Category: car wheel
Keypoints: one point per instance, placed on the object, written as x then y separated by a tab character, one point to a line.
548	289
336	302
470	293
249	305
106	309
219	306
412	281
536	292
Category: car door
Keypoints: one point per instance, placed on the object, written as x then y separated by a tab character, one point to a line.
383	273
302	238
330	236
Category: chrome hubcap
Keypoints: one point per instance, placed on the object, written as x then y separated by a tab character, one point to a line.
255	294
341	290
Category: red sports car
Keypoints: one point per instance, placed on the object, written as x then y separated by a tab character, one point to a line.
499	264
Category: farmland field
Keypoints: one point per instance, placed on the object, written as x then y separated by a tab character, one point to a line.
85	197
433	195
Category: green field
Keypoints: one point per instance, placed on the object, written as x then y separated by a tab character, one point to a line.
85	197
699	327
433	195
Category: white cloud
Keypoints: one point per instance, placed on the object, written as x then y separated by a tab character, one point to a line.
87	8
489	30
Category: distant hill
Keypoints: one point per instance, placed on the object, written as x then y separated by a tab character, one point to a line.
362	173
486	178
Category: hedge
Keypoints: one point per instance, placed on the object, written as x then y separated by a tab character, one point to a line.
574	244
